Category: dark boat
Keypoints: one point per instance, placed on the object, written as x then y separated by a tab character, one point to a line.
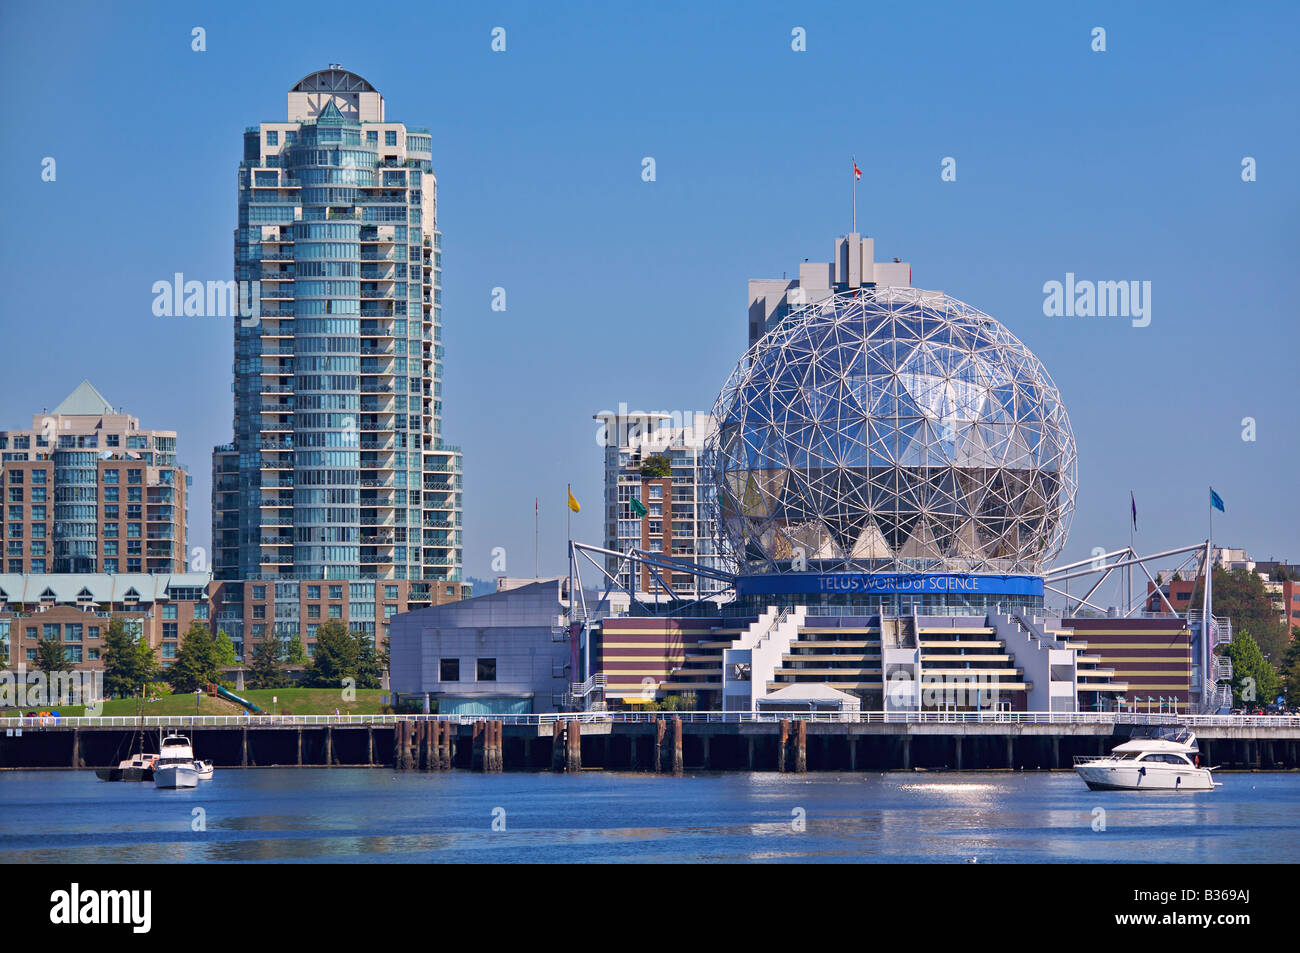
138	767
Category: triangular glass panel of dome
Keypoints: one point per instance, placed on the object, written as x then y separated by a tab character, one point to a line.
920	543
972	450
871	544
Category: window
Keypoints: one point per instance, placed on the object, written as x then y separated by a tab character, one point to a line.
92	634
449	670
110	478
259	592
336	592
259	612
169	611
372	137
313	592
336	612
390	592
201	611
486	670
272	137
169	630
313	612
134	476
390	137
16	512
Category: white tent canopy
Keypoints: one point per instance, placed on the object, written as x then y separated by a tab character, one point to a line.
810	696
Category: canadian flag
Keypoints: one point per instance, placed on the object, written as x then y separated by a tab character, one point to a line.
857	173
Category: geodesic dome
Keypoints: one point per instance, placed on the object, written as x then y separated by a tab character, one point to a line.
894	430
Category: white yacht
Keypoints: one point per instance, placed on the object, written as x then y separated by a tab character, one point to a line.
175	767
1163	758
205	768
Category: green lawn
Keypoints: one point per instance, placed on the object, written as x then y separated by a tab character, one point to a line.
295	701
314	701
166	705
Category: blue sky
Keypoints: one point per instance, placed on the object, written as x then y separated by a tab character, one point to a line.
1119	165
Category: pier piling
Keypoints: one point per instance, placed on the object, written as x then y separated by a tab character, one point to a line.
678	761
574	747
783	745
557	746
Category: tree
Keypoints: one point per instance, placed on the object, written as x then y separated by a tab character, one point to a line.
1291	670
129	662
197	663
342	654
51	658
225	649
295	654
1240	596
656	466
335	658
1254	680
266	671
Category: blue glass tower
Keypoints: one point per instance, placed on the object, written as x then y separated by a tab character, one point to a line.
337	469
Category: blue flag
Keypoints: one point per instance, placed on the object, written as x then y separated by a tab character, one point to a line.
1216	501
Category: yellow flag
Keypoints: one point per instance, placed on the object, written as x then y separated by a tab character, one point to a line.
573	504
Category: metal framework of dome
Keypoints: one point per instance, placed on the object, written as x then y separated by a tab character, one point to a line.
892	430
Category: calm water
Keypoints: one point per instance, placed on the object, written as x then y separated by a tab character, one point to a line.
368	815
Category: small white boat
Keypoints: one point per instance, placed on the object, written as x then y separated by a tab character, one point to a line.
175	767
1163	758
205	769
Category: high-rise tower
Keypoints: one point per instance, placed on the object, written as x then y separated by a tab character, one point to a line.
337	469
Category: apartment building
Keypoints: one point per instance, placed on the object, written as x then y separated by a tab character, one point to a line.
86	490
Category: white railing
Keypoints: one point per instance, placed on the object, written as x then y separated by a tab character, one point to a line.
692	717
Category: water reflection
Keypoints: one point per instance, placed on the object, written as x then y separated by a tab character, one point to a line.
365	815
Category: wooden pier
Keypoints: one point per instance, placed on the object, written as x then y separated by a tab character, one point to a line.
666	743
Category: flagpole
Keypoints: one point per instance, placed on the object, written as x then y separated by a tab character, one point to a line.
537	537
1131	553
1207	667
855	195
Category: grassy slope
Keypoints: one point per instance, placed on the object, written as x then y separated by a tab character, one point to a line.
167	705
314	701
297	701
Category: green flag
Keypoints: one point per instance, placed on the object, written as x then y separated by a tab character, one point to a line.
638	508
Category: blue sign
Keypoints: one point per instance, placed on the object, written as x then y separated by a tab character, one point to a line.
890	583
